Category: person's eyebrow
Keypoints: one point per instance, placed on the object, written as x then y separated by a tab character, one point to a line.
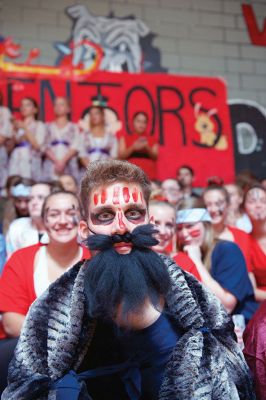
129	206
135	206
101	209
64	209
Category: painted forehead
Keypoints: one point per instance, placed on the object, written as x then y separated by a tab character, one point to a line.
62	202
256	193
118	194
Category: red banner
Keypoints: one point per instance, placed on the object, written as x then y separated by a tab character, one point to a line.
188	116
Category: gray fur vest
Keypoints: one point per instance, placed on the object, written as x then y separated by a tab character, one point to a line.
205	363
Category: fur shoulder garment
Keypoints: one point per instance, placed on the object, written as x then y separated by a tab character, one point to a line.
206	362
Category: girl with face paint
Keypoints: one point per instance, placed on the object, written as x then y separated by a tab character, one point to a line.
220	263
216	200
32	269
163	215
255	206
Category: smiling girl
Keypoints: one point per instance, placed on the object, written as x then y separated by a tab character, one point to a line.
220	263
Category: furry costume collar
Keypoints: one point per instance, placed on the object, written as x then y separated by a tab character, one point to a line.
205	364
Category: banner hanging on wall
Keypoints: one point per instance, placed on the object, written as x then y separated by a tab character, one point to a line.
188	116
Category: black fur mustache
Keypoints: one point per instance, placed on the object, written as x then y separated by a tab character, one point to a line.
112	279
141	237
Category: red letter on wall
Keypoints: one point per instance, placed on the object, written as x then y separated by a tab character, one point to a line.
257	37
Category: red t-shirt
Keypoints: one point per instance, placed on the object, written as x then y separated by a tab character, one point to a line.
143	161
258	260
170	248
242	239
17	284
184	262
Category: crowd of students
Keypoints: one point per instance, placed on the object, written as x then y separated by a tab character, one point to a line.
217	234
44	151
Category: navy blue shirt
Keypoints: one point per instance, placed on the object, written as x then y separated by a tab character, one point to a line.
149	348
230	271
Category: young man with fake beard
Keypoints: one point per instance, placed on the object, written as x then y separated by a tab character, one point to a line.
127	324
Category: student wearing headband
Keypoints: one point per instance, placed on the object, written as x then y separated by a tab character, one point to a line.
220	263
17	205
30	230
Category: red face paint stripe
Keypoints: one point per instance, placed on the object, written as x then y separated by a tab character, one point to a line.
126	195
96	199
194	233
135	195
103	196
116	195
120	220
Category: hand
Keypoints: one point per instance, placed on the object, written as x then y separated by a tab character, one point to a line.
21	131
239	335
59	166
194	252
19	124
140	144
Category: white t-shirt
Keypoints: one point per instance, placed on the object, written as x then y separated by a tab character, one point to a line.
244	223
22	233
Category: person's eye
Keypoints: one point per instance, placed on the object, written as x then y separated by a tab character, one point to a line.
52	215
190	226
170	226
72	212
133	214
105	216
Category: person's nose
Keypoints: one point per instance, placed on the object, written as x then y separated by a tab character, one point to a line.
63	219
24	205
258	204
162	229
183	233
120	225
34	202
212	208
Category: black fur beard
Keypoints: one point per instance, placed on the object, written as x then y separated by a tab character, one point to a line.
126	280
